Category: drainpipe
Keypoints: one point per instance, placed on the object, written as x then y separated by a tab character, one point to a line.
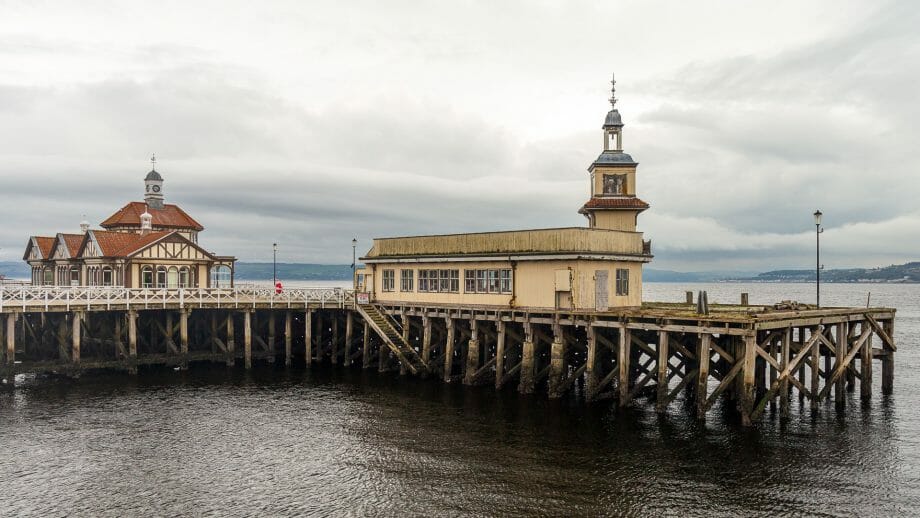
513	300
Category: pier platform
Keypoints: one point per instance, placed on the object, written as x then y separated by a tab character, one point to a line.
753	358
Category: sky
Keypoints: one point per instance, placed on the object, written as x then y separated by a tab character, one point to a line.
310	123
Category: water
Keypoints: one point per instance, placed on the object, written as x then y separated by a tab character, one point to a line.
336	442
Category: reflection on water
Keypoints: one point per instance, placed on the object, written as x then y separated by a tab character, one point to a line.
344	442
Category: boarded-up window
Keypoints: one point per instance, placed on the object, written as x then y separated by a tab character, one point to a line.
614	184
563	280
622	282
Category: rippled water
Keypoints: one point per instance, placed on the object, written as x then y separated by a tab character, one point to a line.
337	442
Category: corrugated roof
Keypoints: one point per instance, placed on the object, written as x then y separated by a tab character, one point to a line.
170	216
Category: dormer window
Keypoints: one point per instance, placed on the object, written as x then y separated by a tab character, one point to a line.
614	184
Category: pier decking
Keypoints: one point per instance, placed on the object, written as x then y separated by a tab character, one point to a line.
753	357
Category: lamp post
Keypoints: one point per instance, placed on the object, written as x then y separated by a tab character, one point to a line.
354	257
818	231
274	264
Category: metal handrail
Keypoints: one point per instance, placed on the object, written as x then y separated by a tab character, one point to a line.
47	298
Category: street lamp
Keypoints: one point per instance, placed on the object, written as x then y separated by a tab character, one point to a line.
274	264
818	231
354	247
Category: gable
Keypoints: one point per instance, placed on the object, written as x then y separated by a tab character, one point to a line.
173	246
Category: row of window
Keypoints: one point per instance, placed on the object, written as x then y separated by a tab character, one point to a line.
448	281
170	278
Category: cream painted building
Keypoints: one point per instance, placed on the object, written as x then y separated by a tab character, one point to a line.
592	268
147	244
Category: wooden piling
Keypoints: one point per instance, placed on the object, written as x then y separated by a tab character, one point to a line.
426	340
349	337
183	332
815	370
11	339
747	383
308	336
499	353
841	353
526	383
288	339
247	338
785	353
888	360
557	362
865	371
472	354
663	390
623	357
231	341
271	337
702	384
449	350
366	347
132	342
75	336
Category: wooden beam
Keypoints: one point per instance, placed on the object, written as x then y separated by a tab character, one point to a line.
526	384
247	338
308	336
664	358
288	339
702	386
499	353
623	364
591	377
888	361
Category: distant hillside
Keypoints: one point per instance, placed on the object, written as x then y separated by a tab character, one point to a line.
909	272
653	275
293	272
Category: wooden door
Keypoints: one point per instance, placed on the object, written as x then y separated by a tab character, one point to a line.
601	299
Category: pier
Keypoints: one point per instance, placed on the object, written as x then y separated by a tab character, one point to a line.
756	358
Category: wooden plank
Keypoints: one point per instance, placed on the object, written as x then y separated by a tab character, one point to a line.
840	368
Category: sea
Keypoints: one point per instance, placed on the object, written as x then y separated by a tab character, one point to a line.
332	441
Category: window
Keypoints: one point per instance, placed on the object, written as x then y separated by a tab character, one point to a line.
220	276
48	277
74	276
161	277
147	277
407	280
184	277
172	278
614	184
443	281
389	280
622	282
107	276
506	282
488	281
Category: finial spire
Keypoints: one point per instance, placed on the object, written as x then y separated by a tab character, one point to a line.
153	161
613	91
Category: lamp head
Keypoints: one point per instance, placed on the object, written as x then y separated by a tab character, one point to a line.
275	246
818	215
354	242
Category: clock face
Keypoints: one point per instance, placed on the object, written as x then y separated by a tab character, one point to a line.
156	188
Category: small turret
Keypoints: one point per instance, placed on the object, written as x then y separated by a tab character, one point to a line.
146	222
84	225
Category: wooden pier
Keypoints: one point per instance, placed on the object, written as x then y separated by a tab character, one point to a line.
755	358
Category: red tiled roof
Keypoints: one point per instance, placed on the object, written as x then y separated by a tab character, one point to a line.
618	203
121	244
73	242
44	245
170	216
142	242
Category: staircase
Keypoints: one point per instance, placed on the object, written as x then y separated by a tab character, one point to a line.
387	329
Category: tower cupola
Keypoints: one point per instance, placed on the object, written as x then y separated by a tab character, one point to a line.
613	124
153	186
84	225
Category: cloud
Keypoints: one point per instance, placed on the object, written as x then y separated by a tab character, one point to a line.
308	127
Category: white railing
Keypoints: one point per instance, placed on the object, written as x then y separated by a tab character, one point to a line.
58	298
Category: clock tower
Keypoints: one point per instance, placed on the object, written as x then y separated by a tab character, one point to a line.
613	204
153	187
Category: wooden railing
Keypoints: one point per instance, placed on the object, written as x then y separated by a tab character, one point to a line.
97	298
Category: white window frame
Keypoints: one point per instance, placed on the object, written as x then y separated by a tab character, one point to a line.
622	282
388	281
407	280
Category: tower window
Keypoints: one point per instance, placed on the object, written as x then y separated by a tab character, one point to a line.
614	184
622	282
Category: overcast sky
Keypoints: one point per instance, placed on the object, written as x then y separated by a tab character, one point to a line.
309	123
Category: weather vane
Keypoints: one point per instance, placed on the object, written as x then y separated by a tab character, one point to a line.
613	91
153	161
